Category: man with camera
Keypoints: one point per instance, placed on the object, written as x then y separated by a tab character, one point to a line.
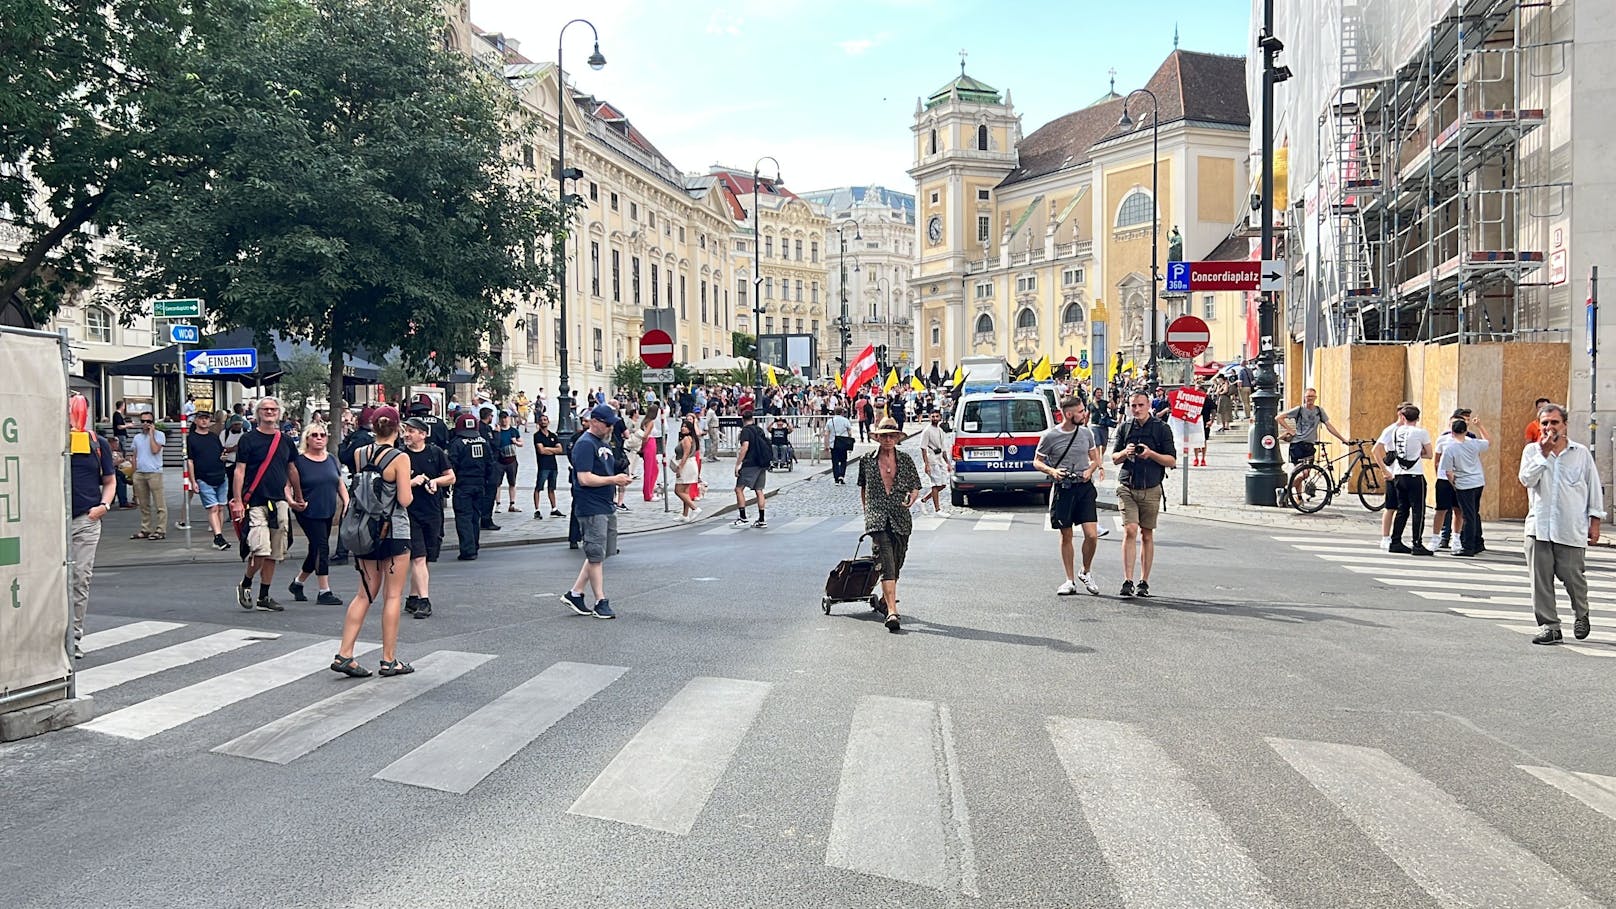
1067	453
1145	450
1401	448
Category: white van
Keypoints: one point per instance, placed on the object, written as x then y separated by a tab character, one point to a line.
996	433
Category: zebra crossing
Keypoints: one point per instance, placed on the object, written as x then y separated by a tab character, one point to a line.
924	522
1148	815
1493	588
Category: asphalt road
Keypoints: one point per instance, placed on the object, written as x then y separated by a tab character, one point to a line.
1274	728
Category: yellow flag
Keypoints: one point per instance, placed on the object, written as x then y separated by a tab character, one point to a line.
838	380
773	382
1083	372
892	380
1128	366
959	377
916	384
1043	371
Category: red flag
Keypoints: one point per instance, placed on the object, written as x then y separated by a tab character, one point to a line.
861	370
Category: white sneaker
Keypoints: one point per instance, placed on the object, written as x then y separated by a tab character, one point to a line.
740	522
1104	532
1087	580
1066	589
1385	544
944	514
694	512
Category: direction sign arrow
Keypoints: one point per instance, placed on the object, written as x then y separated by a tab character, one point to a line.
1272	276
222	362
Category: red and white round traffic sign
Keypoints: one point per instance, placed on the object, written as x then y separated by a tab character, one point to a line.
1071	363
656	349
1188	336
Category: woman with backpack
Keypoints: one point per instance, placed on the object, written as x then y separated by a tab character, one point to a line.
324	500
377	531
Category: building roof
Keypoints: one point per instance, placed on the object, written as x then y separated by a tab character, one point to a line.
844	198
737	184
1232	249
969	90
1190	86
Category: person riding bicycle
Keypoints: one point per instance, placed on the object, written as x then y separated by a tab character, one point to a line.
1300	425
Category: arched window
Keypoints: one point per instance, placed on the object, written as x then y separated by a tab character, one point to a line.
1136	209
982	137
984	324
1072	315
1026	319
98	324
933	147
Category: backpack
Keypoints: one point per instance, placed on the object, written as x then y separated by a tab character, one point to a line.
369	518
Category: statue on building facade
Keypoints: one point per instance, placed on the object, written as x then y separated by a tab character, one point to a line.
1175	246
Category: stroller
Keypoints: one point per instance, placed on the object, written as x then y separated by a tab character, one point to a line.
853	580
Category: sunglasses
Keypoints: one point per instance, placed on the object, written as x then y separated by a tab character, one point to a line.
314	435
146	422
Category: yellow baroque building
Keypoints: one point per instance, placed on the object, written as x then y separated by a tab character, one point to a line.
1042	245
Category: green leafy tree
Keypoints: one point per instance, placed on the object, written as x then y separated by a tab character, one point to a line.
500	380
629	376
358	194
303	379
79	83
745	345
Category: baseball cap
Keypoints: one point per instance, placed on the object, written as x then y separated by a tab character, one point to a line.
417	423
1461	412
603	413
386	411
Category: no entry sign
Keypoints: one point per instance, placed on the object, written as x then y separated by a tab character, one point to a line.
1188	336
656	349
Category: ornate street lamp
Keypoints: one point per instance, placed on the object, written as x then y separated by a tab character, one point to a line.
566	417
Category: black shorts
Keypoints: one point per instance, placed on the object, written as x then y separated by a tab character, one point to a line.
1072	506
386	549
426	538
890	550
508	469
1445	497
1391	493
1302	452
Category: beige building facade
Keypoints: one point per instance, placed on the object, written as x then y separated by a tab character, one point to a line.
877	226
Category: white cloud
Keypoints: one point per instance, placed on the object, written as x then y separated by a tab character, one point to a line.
724	23
855	46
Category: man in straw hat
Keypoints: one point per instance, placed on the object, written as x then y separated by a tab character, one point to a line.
889	484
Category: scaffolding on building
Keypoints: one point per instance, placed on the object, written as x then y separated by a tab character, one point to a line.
1420	225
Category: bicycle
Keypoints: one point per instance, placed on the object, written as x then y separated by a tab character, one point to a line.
1311	486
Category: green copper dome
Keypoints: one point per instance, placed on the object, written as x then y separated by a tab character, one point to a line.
969	90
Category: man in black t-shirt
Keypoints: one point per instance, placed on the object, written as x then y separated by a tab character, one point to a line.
1145	450
93	487
265	454
546	446
205	462
430	476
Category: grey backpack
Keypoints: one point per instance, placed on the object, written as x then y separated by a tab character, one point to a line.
369	519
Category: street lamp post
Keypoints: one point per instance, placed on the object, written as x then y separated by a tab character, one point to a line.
566	417
757	278
1265	474
883	287
844	327
1155	215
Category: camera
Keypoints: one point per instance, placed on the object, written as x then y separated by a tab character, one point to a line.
1138	449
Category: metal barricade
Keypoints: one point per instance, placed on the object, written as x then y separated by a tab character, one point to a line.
807	436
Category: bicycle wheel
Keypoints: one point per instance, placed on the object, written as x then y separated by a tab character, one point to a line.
1310	488
1371	487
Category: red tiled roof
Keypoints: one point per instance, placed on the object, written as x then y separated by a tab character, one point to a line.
736	185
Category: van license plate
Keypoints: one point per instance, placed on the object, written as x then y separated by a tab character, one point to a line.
983	454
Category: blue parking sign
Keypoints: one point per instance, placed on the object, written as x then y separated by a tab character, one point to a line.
1178	277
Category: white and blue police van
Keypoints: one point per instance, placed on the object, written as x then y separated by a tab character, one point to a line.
996	433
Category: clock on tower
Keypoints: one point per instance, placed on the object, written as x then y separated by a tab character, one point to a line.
934	230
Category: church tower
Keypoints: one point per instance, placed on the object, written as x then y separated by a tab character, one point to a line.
965	141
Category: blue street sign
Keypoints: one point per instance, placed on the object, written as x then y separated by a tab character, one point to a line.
1178	277
222	362
184	334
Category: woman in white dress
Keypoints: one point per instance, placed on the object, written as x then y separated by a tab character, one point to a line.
686	471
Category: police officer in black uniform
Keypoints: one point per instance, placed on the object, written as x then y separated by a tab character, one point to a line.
485	428
472	459
437	431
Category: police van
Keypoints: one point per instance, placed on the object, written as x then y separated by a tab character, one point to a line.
996	433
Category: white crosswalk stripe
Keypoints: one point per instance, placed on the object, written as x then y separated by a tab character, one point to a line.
123	634
798	525
1458	858
992	522
111	675
1591	789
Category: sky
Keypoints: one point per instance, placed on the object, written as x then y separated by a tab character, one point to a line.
829	87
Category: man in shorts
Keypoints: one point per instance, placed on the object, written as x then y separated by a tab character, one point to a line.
751	469
205	452
1068	455
1145	450
430	476
597	476
546	446
265	478
934	454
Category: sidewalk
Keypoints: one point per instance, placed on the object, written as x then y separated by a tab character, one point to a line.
1217	492
518	528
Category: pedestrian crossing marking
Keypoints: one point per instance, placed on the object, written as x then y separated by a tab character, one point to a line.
1591	789
722	530
139	666
1457	857
123	634
460	757
1570	642
854	526
1493	585
1160	837
296	734
799	525
1439	575
929	522
159	714
899	832
991	522
663	777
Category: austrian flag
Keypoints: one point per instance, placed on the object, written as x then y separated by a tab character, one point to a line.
861	370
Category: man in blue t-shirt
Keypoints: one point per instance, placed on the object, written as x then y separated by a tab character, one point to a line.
596	475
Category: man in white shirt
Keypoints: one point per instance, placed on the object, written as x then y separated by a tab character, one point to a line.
1401	449
1565	505
934	453
1459	465
148	450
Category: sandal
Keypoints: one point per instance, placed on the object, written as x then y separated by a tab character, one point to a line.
159	535
346	666
139	535
892	622
394	667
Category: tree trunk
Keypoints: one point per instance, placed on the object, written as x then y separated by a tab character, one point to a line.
334	394
77	217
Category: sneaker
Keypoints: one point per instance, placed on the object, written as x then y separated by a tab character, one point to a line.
1445	543
622	506
1066	589
410	603
538	514
760	523
603	610
1385	544
1581	628
327	598
244	597
1104	531
1422	551
694	512
576	601
1087	580
181	525
219	542
1141	589
492	526
740	522
1399	548
1547	636
423	609
268	604
297	592
557	513
78	652
1127	589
